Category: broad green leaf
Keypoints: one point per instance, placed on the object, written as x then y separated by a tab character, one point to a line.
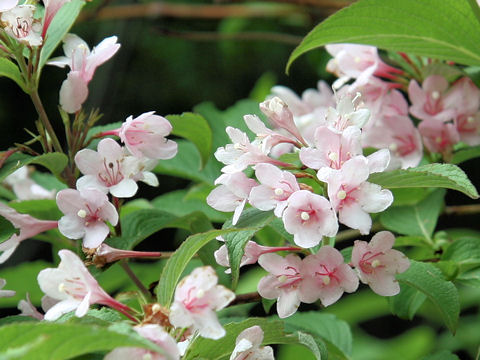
463	155
443	294
432	175
55	162
274	333
186	164
334	332
23	278
406	304
442	355
417	220
60	25
451	32
51	341
464	252
177	263
195	128
6	229
253	220
408	196
44	209
140	224
11	71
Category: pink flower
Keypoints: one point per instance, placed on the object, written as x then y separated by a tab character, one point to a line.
377	263
332	149
352	196
85	214
329	275
247	346
232	194
28	225
6	5
468	128
267	137
154	333
347	114
51	9
105	254
82	63
109	169
275	188
197	297
74	287
438	136
144	136
19	23
25	188
250	256
285	283
5	293
430	102
309	217
27	309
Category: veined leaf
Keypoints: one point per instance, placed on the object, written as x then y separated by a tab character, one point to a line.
55	162
463	155
195	128
443	294
406	304
464	252
441	29
432	175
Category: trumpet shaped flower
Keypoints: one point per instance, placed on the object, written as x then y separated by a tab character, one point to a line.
197	297
73	287
5	293
377	263
85	214
247	346
19	23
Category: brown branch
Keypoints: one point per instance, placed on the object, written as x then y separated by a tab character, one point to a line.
462	209
246	298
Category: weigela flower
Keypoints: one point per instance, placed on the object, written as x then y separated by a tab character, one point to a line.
275	188
74	287
6	5
438	136
145	135
346	114
107	169
105	254
25	188
5	293
82	63
285	283
350	193
377	263
51	9
27	309
266	136
20	24
28	225
197	297
329	275
309	217
85	214
155	334
431	101
232	194
247	346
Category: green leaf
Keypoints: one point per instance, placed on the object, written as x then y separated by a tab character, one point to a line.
464	252
177	263
451	32
60	25
6	229
334	332
51	341
11	71
55	162
195	128
44	209
432	175
417	220
406	304
463	155
442	355
253	220
274	333
429	280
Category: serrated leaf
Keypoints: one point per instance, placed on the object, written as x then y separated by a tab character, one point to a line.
61	23
463	155
50	341
432	175
417	220
464	252
406	304
253	220
274	333
11	71
430	281
334	332
451	32
177	263
55	162
195	128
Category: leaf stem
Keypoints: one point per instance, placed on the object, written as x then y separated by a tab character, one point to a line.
135	279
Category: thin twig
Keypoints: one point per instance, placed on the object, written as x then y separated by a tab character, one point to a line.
135	279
